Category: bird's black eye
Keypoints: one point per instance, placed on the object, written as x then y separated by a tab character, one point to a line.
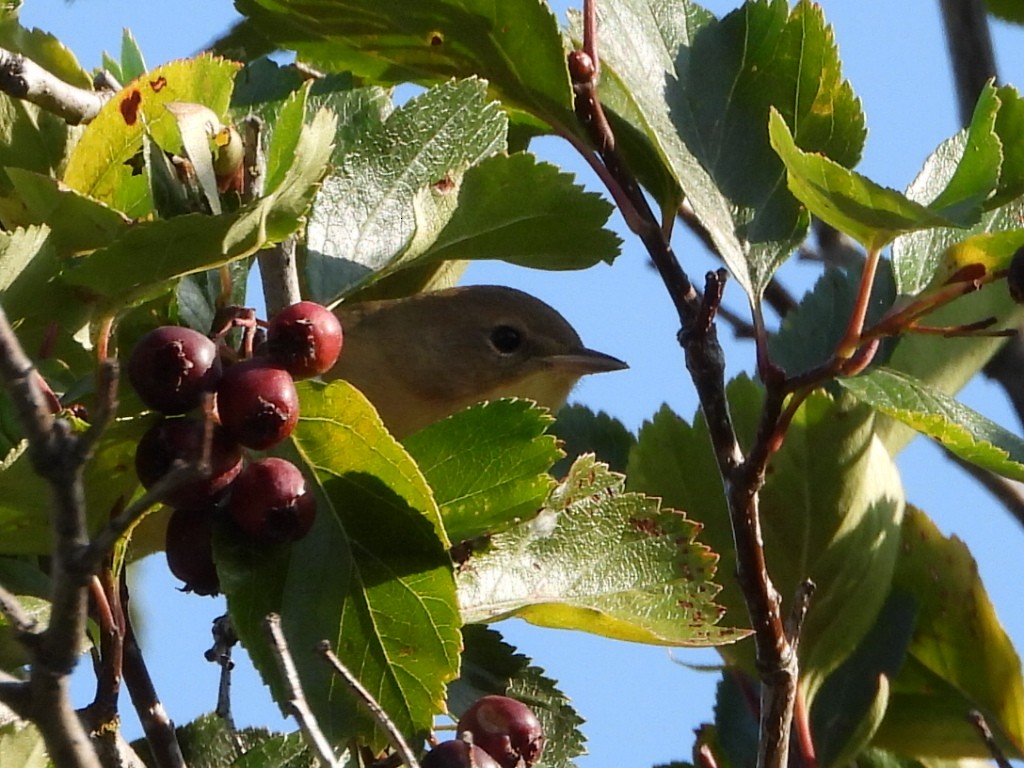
506	339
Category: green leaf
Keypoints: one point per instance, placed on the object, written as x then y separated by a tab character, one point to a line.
514	44
852	701
960	657
963	431
25	498
1009	10
97	165
33	139
580	430
735	719
917	256
487	465
830	512
12	653
948	364
148	256
810	333
525	212
976	157
45	50
701	91
600	560
373	578
133	65
992	251
492	666
22	744
78	223
395	185
851	203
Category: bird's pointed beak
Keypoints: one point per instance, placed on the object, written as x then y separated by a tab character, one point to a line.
585	361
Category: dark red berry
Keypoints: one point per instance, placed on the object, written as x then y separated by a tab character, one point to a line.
305	339
257	404
504	728
189	550
172	440
172	367
457	754
270	501
1015	277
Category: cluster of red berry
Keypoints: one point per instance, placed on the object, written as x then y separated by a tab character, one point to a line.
495	732
256	406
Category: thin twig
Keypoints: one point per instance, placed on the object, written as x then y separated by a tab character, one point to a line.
978	721
394	735
159	730
224	640
22	78
297	699
55	453
12	608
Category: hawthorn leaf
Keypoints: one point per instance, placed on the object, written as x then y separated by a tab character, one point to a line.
736	727
830	512
852	701
917	256
976	157
144	260
13	653
23	745
962	430
97	166
395	186
46	50
580	430
986	253
492	666
78	222
1009	125
528	213
25	500
959	657
947	364
871	214
487	465
373	577
33	139
700	89
811	332
515	44
601	560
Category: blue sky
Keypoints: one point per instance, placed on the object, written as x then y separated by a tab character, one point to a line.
640	706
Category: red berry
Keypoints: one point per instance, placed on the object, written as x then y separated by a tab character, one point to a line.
270	501
171	367
457	754
173	440
257	404
305	339
189	549
504	728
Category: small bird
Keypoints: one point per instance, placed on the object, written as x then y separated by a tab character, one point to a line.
425	357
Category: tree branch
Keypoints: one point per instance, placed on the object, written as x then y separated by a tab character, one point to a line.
970	50
22	78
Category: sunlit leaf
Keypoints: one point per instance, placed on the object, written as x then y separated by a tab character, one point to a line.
960	657
373	578
568	567
701	90
931	412
487	466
